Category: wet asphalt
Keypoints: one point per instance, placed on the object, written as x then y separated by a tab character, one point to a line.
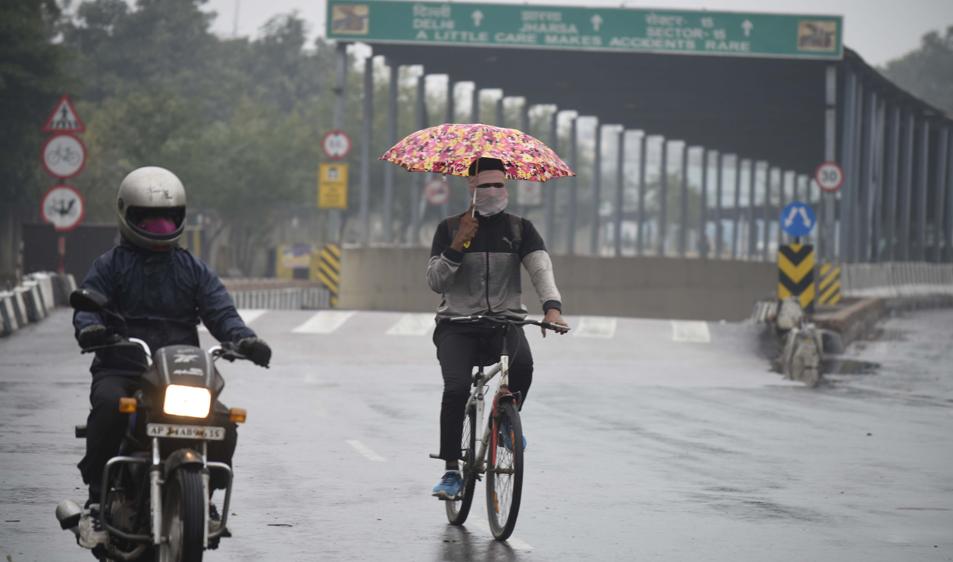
648	440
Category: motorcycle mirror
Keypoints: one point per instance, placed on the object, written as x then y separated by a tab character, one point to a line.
88	300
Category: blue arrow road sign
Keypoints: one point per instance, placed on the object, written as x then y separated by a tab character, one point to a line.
797	219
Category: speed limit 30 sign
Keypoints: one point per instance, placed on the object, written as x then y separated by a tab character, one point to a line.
336	144
829	176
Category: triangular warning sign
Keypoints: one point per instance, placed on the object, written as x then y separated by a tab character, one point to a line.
64	118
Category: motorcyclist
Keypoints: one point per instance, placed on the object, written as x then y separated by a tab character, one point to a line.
162	291
475	266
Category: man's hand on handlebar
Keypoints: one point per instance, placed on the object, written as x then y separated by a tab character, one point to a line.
554	316
256	350
96	335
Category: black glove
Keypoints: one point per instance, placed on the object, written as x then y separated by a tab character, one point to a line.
256	350
95	335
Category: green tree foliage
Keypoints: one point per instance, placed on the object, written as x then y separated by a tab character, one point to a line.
928	71
30	81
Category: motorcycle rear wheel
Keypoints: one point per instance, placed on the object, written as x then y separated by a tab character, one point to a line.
183	517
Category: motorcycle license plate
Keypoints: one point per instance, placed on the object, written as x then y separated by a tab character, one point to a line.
171	431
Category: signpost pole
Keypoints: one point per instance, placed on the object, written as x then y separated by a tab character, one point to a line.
703	244
752	220
335	224
364	212
719	194
825	234
596	191
663	197
550	192
683	203
640	227
388	203
619	192
735	239
574	188
847	160
61	254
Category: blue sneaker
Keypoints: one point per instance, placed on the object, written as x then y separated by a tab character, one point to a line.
450	486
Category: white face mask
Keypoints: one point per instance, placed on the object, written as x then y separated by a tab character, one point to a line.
491	200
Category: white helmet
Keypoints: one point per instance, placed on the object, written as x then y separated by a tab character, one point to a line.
147	194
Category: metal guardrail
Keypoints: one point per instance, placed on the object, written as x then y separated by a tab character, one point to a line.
897	280
287	298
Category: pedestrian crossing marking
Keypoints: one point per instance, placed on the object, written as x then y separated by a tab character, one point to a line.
365	451
690	332
412	325
248	315
594	327
324	322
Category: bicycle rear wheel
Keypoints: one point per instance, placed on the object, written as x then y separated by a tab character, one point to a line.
504	472
458	510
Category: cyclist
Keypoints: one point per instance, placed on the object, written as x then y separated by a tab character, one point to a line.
475	266
162	291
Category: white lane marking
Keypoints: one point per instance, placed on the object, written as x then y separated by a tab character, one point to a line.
364	450
594	327
412	325
690	331
324	322
248	315
513	542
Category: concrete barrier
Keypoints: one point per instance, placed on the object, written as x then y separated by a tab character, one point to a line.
19	307
30	292
8	317
44	283
63	285
646	287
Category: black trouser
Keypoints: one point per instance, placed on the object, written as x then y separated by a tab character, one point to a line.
105	428
459	348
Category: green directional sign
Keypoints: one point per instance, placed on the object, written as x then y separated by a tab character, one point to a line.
596	29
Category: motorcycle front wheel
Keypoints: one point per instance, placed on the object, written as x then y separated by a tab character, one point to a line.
183	517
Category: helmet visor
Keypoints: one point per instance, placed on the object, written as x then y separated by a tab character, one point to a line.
156	224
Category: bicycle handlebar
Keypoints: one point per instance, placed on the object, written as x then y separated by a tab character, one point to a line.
510	322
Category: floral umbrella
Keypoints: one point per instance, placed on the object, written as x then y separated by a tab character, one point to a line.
450	148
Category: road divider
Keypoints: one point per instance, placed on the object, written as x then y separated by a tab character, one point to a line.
33	300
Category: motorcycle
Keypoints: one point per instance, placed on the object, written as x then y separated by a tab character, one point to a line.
155	502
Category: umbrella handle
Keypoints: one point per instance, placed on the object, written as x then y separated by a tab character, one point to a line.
472	214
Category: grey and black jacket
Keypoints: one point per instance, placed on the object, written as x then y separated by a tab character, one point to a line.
485	278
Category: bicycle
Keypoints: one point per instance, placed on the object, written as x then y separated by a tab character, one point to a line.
500	452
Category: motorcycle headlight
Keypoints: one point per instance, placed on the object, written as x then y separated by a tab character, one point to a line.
188	401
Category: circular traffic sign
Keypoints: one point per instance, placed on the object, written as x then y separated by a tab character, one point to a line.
63	206
63	155
437	192
336	144
829	176
798	219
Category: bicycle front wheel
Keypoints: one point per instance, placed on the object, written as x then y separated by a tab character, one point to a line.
504	471
457	510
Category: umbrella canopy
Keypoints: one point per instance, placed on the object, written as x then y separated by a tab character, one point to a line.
450	149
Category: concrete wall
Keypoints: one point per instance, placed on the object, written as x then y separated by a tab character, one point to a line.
648	287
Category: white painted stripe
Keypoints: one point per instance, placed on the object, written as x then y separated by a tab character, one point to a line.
324	322
690	331
594	327
364	450
248	315
513	542
412	325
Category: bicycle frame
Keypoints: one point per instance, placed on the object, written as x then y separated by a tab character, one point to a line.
477	400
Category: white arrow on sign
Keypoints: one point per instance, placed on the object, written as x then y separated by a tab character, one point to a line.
795	212
596	22
477	16
747	26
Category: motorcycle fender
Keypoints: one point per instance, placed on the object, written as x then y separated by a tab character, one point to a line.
180	458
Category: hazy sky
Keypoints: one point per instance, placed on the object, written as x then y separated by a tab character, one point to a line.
878	29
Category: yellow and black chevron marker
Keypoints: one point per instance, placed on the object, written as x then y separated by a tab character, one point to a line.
329	270
828	284
796	274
